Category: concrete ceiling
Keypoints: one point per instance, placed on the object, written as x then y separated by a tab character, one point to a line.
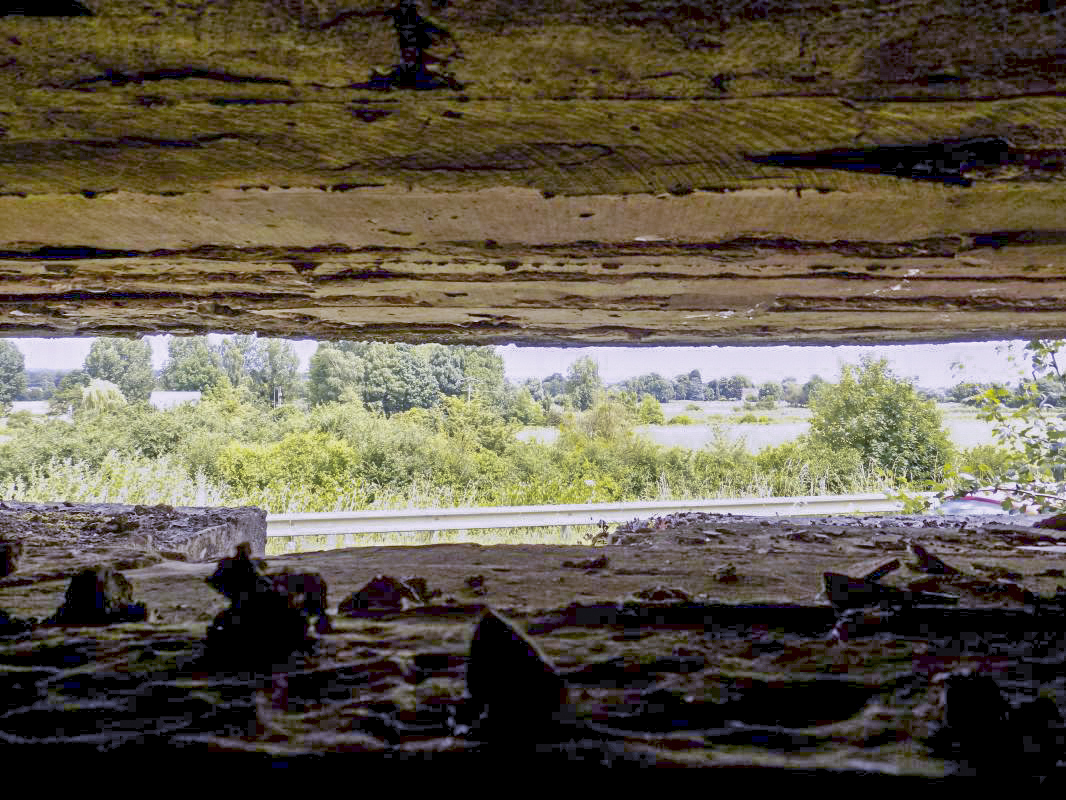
848	174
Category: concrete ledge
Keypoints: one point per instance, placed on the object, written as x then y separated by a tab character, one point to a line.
179	533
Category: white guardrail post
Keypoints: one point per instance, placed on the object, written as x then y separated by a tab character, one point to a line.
451	519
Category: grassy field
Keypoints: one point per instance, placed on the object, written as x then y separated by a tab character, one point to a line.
782	424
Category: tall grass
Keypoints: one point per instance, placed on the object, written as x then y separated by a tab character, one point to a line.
140	480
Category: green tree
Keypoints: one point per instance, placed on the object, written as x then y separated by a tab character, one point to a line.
689	386
1031	429
554	385
483	375
101	396
67	397
234	354
331	372
732	388
191	365
396	378
882	418
650	412
652	384
272	366
771	389
12	373
810	388
127	363
446	363
583	383
525	409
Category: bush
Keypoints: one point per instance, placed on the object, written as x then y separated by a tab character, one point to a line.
986	462
884	419
681	419
752	419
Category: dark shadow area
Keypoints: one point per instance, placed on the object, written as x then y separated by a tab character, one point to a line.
44	8
943	162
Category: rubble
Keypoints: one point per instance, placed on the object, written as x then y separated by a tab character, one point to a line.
662	594
845	592
98	596
10	626
268	618
384	592
587	563
502	658
726	574
929	563
985	735
10	553
475	585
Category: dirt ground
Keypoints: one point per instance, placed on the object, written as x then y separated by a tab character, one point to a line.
701	641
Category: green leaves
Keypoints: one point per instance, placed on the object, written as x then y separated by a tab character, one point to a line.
191	365
882	418
127	363
12	372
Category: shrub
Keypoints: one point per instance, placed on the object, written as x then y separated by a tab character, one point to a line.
681	419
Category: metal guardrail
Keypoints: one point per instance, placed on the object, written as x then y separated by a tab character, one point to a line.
453	519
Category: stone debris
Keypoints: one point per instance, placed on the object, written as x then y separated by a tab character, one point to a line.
98	596
10	555
305	591
845	592
269	615
982	588
1055	523
854	623
878	573
588	563
520	695
726	574
475	585
983	734
996	571
810	537
929	563
385	592
662	594
11	626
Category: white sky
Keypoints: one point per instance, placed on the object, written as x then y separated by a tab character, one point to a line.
930	366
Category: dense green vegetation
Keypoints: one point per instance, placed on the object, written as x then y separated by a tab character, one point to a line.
376	425
1028	464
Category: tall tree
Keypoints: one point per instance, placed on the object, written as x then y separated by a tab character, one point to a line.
234	354
272	366
331	371
12	372
69	394
732	388
483	375
447	366
191	365
127	363
583	383
554	385
689	386
396	378
654	384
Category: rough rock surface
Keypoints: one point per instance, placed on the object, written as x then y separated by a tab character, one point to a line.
129	537
98	596
734	171
702	673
